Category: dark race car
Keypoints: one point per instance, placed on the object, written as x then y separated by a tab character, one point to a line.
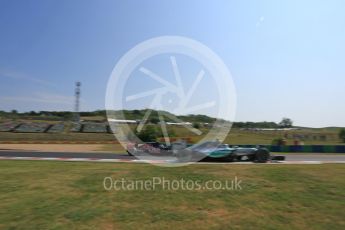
147	147
213	150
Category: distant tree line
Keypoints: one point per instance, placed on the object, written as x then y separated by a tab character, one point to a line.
196	120
285	123
264	124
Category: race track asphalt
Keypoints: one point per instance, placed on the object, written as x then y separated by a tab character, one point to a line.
324	157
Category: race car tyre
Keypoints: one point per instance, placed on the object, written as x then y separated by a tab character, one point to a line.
278	158
230	158
262	155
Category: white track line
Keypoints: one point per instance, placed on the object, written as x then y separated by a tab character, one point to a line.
158	161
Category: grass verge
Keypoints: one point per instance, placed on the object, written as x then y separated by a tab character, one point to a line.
70	195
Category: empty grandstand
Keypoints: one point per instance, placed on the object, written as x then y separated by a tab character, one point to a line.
76	127
95	128
8	127
57	128
32	128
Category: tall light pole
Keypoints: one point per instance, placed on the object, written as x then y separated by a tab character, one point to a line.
77	101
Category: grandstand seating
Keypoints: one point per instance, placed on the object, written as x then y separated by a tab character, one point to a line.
8	126
95	128
32	128
76	127
57	128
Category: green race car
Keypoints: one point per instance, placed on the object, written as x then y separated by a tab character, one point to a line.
216	151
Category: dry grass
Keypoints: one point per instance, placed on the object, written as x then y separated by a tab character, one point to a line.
60	195
236	136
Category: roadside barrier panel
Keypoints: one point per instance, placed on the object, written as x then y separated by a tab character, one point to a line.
317	149
295	148
307	149
275	148
329	149
285	148
340	149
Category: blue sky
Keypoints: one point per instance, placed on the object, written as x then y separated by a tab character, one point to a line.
286	57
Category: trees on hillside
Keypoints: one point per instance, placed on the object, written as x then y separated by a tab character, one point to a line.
342	135
286	123
196	125
263	124
154	120
149	133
